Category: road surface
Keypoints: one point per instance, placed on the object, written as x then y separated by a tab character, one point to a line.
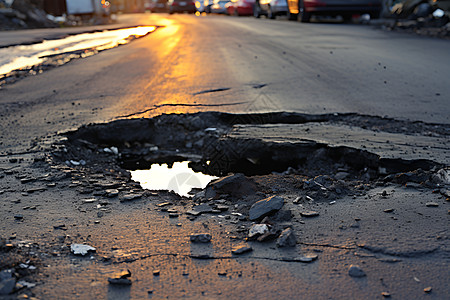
395	233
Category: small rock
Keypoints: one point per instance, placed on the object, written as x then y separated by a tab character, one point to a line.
80	249
111	193
7	286
242	248
200	209
308	258
385	294
356	271
130	197
119	281
200	238
265	207
427	289
236	185
18	217
90	200
286	238
309	214
156	272
257	230
389	210
432	204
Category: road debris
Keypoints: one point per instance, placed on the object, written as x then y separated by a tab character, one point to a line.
80	249
200	238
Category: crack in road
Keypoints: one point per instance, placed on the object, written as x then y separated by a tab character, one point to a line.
211	91
178	104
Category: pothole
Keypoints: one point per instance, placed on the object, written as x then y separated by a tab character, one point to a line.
216	145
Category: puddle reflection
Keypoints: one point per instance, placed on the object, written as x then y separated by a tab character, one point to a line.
180	178
27	56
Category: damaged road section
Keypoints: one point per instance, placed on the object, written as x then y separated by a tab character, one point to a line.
259	144
18	61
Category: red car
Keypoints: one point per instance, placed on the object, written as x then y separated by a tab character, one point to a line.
240	7
304	9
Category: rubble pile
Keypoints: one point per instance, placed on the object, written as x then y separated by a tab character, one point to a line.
420	17
23	14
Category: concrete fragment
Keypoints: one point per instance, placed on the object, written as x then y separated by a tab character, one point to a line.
265	207
257	230
80	249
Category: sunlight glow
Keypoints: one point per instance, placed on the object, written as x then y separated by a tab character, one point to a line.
22	57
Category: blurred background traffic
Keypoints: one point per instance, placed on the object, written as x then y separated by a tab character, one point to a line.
23	14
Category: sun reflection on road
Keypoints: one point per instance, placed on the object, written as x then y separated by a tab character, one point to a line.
26	56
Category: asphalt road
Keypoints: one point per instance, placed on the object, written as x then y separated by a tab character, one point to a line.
312	68
255	65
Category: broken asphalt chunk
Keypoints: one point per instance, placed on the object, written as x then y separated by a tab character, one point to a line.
200	209
200	238
241	248
286	238
265	207
236	185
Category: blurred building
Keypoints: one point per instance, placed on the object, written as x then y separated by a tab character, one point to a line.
129	6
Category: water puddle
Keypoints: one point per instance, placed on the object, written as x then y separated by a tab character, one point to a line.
60	51
180	178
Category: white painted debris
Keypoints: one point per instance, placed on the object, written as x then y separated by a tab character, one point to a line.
80	249
26	284
112	150
257	229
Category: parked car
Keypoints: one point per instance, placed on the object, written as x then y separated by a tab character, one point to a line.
270	8
207	5
181	6
156	6
304	9
240	7
199	4
218	7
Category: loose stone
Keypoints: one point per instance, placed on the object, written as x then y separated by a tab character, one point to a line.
243	248
265	207
308	258
200	238
356	271
309	214
432	204
427	289
111	193
286	238
257	230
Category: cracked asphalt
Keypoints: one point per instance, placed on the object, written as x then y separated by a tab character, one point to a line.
371	177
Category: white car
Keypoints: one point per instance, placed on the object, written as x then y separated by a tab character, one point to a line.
270	8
